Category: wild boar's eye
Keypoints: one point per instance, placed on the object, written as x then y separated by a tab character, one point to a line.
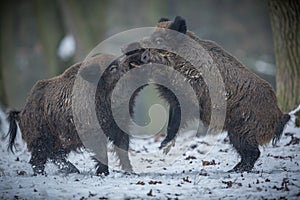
113	68
158	40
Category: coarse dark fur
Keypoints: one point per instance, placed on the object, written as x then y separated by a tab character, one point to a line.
47	121
252	115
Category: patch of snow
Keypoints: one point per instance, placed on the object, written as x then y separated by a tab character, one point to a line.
66	48
293	112
276	173
265	68
3	122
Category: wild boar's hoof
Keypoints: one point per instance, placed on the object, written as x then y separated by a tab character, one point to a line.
39	172
241	167
167	142
64	166
102	170
69	169
164	143
38	169
102	173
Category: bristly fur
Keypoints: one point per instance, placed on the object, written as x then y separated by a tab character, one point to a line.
47	122
280	127
253	117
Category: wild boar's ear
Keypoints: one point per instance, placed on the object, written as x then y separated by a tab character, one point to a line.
163	19
131	48
179	25
90	73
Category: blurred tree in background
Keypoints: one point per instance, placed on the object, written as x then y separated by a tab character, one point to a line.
50	30
285	20
33	30
2	90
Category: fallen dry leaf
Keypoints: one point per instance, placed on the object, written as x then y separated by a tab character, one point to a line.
284	185
21	173
281	157
203	173
140	183
186	179
150	193
228	183
154	182
190	158
294	140
206	163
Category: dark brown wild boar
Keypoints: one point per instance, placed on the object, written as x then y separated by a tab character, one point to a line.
252	115
47	121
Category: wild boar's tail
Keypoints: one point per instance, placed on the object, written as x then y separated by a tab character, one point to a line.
282	122
12	118
280	126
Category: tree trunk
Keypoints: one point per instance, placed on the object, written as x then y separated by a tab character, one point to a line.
284	16
7	46
2	89
86	21
3	99
50	30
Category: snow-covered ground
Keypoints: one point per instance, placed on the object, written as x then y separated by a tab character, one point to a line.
195	169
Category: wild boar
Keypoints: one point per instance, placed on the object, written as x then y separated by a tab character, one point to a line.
47	122
252	115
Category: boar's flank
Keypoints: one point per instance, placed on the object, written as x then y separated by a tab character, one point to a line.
47	121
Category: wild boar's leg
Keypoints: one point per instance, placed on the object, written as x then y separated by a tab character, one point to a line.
121	144
39	156
102	161
59	159
101	168
248	149
249	157
174	120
